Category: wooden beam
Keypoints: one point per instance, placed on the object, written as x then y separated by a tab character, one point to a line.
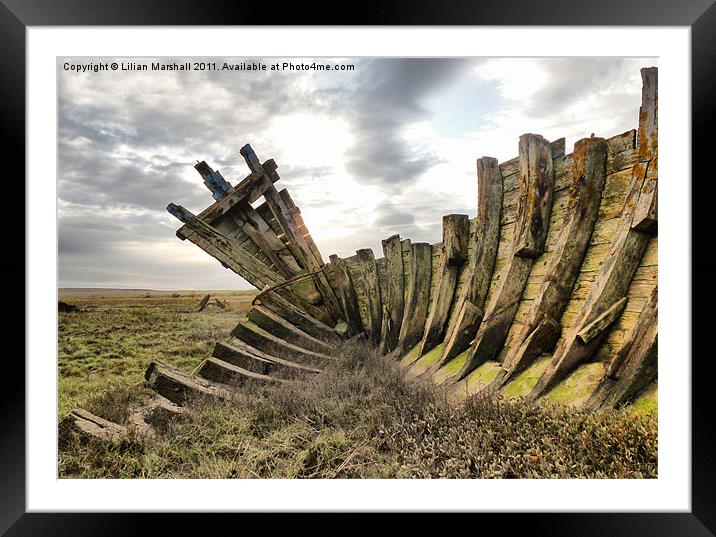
222	372
588	175
301	319
279	327
533	212
395	289
634	366
258	338
224	249
179	387
243	355
471	300
347	295
456	232
588	332
93	427
369	272
213	180
645	213
285	218
418	297
535	202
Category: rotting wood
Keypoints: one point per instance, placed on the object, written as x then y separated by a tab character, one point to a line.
393	307
285	218
222	372
634	365
645	213
617	270
536	181
298	318
281	328
93	427
456	234
256	270
455	242
417	298
347	295
258	338
538	334
369	272
213	180
535	202
244	355
471	300
602	322
179	387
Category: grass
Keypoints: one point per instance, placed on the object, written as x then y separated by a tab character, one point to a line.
361	418
110	342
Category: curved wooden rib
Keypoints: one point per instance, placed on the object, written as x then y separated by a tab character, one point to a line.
533	212
624	255
395	290
470	303
456	231
417	298
541	329
369	272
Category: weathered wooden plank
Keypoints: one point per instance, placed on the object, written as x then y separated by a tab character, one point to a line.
645	213
285	218
588	332
367	268
617	270
634	366
214	242
179	387
347	295
499	315
299	318
455	236
588	172
395	289
296	213
221	372
279	327
213	180
417	298
241	353
471	301
249	189
93	427
535	202
266	342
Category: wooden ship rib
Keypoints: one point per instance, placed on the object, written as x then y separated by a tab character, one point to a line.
550	289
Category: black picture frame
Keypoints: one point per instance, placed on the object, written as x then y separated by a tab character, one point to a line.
699	15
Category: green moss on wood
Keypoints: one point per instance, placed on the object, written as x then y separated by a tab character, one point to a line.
425	361
647	402
578	386
525	381
482	376
411	356
451	368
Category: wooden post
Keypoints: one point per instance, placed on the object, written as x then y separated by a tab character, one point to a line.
285	218
367	268
418	297
645	213
456	233
616	273
535	203
393	315
471	301
536	182
589	163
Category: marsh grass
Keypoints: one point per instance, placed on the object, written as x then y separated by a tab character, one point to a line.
361	418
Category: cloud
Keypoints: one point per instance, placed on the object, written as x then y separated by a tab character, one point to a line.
387	148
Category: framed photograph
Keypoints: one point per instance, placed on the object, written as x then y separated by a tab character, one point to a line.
409	265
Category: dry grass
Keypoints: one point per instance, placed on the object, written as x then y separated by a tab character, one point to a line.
361	418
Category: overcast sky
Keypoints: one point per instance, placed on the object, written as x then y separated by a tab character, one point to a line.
387	148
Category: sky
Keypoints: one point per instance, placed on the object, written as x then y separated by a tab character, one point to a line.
388	147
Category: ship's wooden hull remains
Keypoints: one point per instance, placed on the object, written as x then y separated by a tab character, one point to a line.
550	291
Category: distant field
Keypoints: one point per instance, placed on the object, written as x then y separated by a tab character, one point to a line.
117	332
